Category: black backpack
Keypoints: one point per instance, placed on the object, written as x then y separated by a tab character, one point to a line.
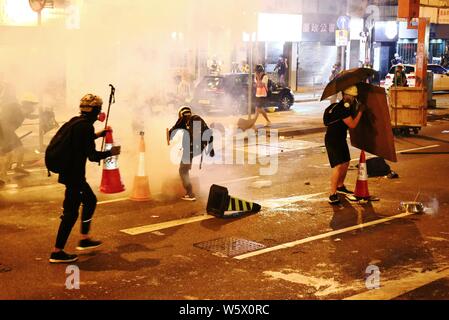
329	116
58	152
198	149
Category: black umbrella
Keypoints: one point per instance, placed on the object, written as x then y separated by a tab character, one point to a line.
346	79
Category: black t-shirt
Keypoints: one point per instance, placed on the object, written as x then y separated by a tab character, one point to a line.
83	147
192	142
338	129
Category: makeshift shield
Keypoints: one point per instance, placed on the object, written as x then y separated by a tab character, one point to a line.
374	133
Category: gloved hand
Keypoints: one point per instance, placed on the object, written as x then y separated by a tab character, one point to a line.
361	107
212	153
103	133
116	150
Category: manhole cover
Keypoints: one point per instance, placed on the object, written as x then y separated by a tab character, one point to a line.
4	269
229	247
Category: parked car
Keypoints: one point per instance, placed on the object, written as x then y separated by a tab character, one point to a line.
229	93
440	76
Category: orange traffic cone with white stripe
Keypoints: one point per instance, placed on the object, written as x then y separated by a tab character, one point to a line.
111	181
141	190
361	189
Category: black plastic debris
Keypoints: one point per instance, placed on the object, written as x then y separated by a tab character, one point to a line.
4	268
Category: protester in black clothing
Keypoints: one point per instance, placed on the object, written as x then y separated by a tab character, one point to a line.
335	141
196	136
12	116
397	60
78	190
281	68
400	77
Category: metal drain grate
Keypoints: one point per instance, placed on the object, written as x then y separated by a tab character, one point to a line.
229	247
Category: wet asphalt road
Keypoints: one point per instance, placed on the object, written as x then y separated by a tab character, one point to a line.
410	255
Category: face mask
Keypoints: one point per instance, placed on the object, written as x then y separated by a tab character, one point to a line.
101	117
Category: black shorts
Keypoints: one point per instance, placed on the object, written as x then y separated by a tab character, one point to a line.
261	102
337	150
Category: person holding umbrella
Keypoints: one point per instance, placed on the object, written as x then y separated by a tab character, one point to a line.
336	144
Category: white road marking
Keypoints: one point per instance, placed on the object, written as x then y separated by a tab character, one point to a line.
37	170
238	180
276	203
283	146
322	286
272	203
14	189
391	289
321	236
165	225
112	201
397	152
402	151
422	148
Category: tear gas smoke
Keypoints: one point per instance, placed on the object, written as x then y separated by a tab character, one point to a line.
142	47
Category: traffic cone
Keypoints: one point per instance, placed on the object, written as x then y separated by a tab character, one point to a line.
219	201
361	188
141	189
111	181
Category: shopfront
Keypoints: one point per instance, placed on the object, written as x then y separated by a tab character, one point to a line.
407	42
317	52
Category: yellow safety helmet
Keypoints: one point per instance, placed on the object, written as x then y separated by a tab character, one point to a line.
90	101
352	91
30	98
184	110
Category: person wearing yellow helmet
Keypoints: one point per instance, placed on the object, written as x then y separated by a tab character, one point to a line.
73	176
12	116
335	141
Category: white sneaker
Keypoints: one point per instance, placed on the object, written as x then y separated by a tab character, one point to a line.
188	198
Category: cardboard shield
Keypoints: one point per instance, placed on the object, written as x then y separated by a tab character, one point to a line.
374	133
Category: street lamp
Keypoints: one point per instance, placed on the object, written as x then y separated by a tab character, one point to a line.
38	6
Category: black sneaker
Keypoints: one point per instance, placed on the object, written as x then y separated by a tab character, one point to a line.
344	191
188	198
62	257
87	244
334	199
